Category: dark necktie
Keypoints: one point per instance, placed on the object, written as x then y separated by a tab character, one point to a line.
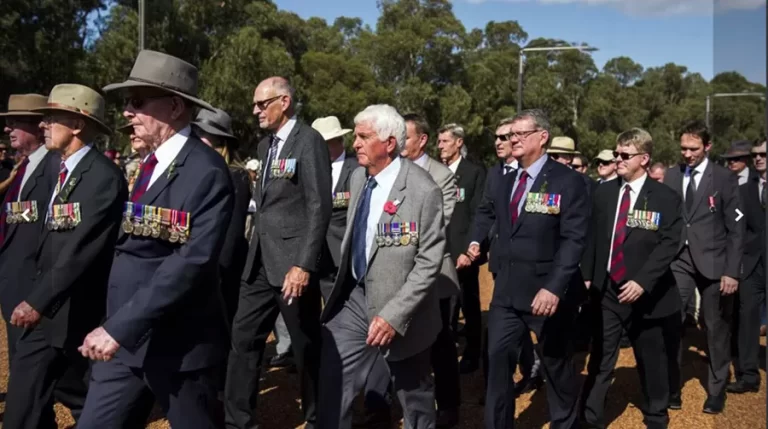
12	195
360	230
507	169
145	175
619	234
690	190
518	195
763	193
271	156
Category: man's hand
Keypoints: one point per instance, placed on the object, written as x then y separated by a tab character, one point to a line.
463	262
99	345
587	283
295	281
474	251
630	292
728	285
380	333
544	303
24	316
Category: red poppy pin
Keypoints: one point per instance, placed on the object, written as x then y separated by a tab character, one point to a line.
390	207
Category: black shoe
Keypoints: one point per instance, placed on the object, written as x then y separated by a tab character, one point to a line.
528	385
281	360
625	343
468	365
714	404
742	387
372	419
675	402
447	419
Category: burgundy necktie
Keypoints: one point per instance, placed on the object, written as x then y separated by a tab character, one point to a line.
618	269
11	195
145	174
518	195
62	176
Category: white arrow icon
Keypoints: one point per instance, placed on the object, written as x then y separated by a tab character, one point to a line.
739	215
24	215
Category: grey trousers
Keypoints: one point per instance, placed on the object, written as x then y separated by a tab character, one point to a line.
346	361
282	336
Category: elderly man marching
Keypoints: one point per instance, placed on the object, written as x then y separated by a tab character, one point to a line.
165	329
73	260
384	302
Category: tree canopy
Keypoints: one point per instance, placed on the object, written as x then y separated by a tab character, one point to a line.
419	58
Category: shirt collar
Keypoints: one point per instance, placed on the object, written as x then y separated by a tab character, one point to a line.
76	157
514	164
455	165
386	177
702	166
744	172
341	158
534	169
285	131
38	154
168	150
422	160
636	185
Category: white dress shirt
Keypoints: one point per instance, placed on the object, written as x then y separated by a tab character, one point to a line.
34	160
283	133
697	178
454	165
533	171
379	195
760	186
634	190
336	169
743	176
422	160
514	164
168	151
70	163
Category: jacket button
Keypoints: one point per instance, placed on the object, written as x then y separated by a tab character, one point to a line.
688	225
39	272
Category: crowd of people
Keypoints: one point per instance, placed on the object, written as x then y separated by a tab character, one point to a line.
158	279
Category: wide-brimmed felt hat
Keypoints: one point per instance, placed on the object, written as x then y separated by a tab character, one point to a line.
738	149
216	122
79	100
563	145
157	70
605	155
330	127
23	104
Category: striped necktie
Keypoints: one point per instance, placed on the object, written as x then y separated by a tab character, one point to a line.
145	174
11	195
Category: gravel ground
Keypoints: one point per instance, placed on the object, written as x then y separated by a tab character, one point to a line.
279	403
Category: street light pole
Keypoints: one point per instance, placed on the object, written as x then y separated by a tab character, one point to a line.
142	9
541	48
728	94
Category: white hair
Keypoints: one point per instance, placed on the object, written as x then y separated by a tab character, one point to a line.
385	121
463	151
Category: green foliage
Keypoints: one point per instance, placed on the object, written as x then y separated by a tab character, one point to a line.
419	58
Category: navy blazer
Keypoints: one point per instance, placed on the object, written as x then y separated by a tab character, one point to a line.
484	229
541	250
754	216
165	306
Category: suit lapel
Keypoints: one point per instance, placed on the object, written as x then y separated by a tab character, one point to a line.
461	174
703	188
346	170
170	173
640	204
36	175
285	153
507	183
540	180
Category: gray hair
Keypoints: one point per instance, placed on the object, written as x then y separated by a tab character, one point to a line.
456	130
386	122
538	117
463	151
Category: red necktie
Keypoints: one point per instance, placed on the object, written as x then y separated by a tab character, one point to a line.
518	195
145	174
619	234
62	175
11	195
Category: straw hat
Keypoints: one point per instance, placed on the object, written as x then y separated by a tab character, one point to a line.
605	155
161	71
77	99
564	145
330	127
23	104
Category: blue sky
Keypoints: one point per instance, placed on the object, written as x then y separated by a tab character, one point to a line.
706	38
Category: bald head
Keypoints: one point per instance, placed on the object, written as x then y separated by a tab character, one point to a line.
273	103
657	171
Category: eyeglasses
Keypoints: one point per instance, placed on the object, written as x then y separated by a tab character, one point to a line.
576	165
519	135
263	104
758	154
605	163
626	156
14	123
138	102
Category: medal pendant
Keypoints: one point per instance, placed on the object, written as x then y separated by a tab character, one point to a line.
127	226
182	238
174	237
380	241
388	241
405	240
155	231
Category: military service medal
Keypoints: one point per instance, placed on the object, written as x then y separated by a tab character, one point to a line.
396	233
406	238
127	215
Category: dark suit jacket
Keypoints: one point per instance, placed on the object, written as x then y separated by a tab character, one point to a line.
471	179
716	240
339	215
754	215
647	254
73	265
235	247
292	215
19	250
541	250
484	222
164	305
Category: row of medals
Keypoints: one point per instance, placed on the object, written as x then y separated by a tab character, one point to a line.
155	230
641	223
397	239
65	220
15	216
535	205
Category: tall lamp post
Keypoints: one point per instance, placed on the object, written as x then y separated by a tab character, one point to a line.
729	94
541	48
142	10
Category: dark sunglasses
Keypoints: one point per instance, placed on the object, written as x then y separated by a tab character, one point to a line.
605	163
521	135
138	102
626	156
758	154
263	104
576	165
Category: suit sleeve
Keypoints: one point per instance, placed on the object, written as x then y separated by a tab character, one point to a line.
590	248
315	181
574	223
485	214
97	233
669	236
447	184
236	229
179	274
735	231
399	311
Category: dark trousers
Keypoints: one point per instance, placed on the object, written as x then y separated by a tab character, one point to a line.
717	311
260	303
122	397
470	306
41	375
506	330
746	331
346	361
647	338
12	333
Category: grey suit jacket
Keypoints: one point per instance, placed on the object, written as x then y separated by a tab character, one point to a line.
448	281
400	280
715	238
292	215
